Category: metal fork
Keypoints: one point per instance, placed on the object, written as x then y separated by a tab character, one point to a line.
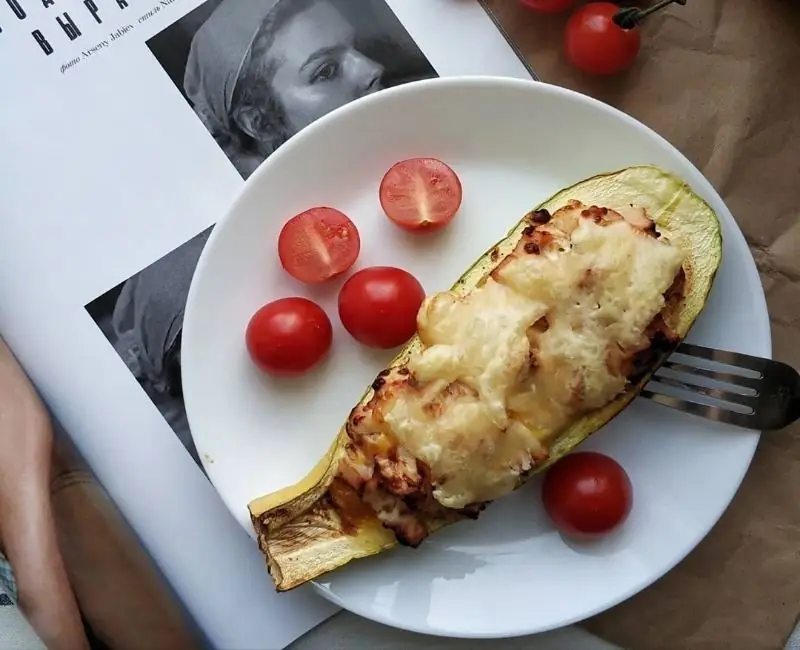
730	387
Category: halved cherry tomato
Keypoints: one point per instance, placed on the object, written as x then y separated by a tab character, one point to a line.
548	6
587	494
378	306
420	194
318	244
288	336
595	44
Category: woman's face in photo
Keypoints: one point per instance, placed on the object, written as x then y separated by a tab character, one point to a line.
317	68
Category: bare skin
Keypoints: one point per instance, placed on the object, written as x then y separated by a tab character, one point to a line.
27	530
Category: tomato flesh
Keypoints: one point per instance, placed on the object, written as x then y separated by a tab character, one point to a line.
587	494
595	44
548	6
289	336
318	244
378	306
420	194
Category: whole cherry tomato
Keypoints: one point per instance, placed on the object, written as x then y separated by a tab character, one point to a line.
378	306
596	44
288	336
587	494
548	6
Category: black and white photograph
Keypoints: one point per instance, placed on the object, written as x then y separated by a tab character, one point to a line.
255	73
258	71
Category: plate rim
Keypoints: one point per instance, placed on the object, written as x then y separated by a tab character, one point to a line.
700	183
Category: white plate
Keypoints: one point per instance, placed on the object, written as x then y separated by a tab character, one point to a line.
513	143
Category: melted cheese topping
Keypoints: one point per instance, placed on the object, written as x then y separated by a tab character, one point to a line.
491	389
480	341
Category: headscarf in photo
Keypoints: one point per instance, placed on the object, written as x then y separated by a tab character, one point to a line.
146	322
218	53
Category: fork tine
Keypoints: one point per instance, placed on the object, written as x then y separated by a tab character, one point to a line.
743	420
750	401
773	398
726	377
735	359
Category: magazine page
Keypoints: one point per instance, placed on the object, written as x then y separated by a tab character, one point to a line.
127	127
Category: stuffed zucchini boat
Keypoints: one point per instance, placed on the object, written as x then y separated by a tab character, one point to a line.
547	337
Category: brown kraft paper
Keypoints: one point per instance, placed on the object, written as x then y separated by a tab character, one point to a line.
719	80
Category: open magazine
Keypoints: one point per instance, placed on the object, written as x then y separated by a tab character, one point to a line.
127	127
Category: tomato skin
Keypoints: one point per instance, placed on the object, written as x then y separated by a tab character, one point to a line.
289	336
378	306
587	494
318	244
420	194
548	6
595	44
